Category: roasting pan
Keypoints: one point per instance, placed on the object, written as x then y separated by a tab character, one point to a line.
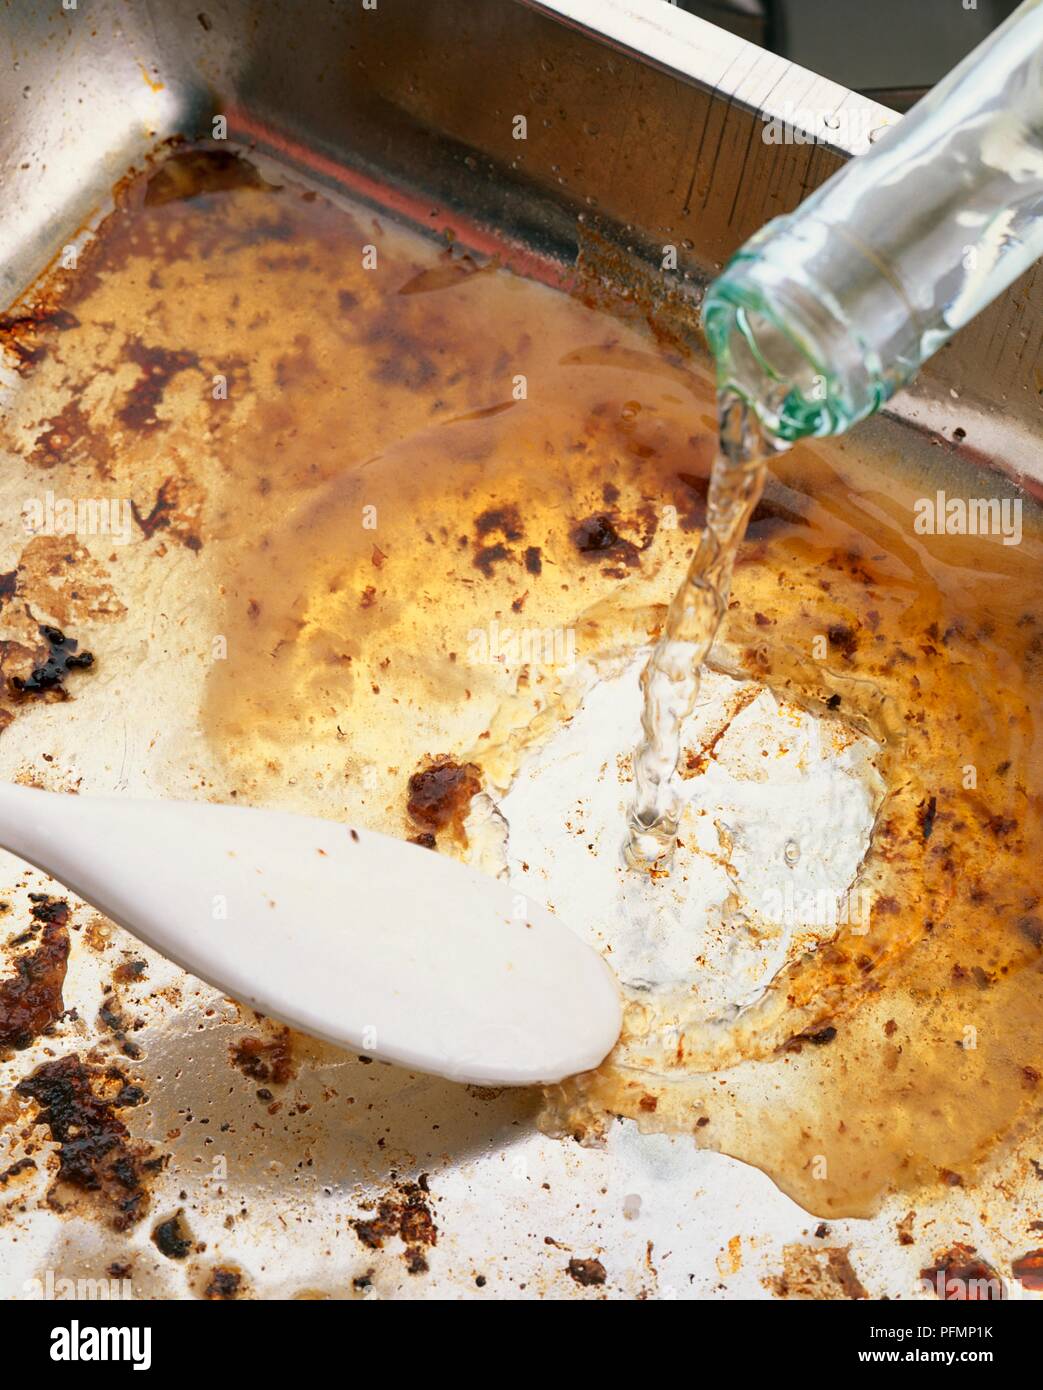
644	129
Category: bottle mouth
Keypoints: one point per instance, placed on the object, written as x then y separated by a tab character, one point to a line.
787	353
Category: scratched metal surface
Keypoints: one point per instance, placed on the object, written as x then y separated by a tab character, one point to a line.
411	99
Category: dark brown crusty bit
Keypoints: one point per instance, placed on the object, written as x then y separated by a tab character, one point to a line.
171	1237
844	638
49	677
224	1283
95	1151
171	514
595	533
440	794
587	1272
1001	826
69	436
157	366
129	971
265	1061
503	519
1028	1270
486	557
596	537
489	552
928	809
25	335
47	909
404	1212
23	1165
32	1000
110	1017
816	1037
534	559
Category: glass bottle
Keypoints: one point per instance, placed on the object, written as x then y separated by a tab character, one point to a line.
829	310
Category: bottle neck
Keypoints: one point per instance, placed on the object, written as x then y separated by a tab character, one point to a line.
828	311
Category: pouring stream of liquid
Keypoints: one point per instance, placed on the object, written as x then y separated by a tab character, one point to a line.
670	680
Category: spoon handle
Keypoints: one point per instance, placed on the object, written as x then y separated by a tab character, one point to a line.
351	936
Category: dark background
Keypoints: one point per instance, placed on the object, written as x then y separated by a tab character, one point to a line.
892	50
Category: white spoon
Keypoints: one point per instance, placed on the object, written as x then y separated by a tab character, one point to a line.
366	941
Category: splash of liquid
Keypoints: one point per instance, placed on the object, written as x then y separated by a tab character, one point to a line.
670	681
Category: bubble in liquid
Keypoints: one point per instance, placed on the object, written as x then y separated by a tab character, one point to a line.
791	853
